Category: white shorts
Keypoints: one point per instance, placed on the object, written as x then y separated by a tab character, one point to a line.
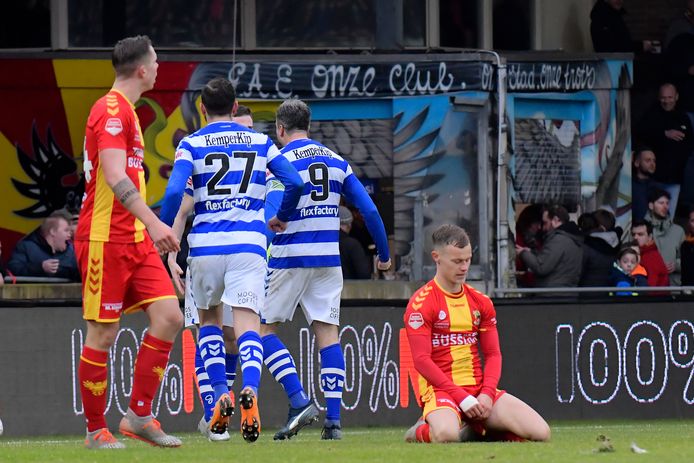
317	289
237	280
190	312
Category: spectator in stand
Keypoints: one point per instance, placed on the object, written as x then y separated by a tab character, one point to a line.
683	24
668	236
47	251
687	252
622	276
558	263
600	247
528	235
643	168
355	263
652	261
668	131
609	31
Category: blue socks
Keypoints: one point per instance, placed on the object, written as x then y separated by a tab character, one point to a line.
211	346
251	352
281	365
206	391
332	378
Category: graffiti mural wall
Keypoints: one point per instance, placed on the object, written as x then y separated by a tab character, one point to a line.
416	130
577	135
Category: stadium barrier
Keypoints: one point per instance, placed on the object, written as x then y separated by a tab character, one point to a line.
616	358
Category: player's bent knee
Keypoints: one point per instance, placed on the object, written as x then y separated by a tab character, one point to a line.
443	435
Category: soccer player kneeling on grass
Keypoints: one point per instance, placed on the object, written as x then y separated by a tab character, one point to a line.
448	324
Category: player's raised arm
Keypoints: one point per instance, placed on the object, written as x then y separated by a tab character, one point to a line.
112	162
355	192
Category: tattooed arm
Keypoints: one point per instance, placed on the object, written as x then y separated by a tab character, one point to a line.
112	163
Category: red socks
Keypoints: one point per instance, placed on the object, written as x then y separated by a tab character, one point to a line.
92	373
422	433
150	367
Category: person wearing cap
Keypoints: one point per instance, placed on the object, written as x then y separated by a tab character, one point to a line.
355	263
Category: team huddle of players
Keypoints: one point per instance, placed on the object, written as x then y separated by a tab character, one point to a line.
248	196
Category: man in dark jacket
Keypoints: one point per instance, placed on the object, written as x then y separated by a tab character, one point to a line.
559	261
355	263
608	30
668	131
47	251
600	248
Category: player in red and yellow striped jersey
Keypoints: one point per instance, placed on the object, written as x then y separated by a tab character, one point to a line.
449	324
116	245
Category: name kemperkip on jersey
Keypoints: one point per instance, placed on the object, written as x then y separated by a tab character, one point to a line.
112	124
453	322
229	163
312	235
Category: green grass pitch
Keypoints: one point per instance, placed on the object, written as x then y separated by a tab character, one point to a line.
664	441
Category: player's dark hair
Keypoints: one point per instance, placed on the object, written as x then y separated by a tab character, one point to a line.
294	115
642	223
219	96
450	234
128	54
558	211
243	110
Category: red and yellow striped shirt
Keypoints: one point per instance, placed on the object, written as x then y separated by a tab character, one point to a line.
112	123
451	324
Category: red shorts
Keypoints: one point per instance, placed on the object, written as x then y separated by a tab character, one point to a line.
435	399
120	278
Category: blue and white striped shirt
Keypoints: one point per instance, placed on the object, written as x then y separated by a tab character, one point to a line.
312	235
227	164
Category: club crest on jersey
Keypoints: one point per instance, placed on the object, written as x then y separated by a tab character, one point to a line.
416	320
442	315
476	317
114	126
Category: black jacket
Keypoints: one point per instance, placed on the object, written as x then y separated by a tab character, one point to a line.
32	250
671	156
355	263
608	30
599	253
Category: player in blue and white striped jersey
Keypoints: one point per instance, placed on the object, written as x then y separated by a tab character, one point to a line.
304	267
227	242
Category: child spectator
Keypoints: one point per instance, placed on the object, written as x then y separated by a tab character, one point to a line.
626	262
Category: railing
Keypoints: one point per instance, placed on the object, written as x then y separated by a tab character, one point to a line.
568	291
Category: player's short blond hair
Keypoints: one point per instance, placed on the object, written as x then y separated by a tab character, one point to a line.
450	234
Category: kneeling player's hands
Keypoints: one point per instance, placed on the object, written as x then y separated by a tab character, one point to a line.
471	408
486	403
276	225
